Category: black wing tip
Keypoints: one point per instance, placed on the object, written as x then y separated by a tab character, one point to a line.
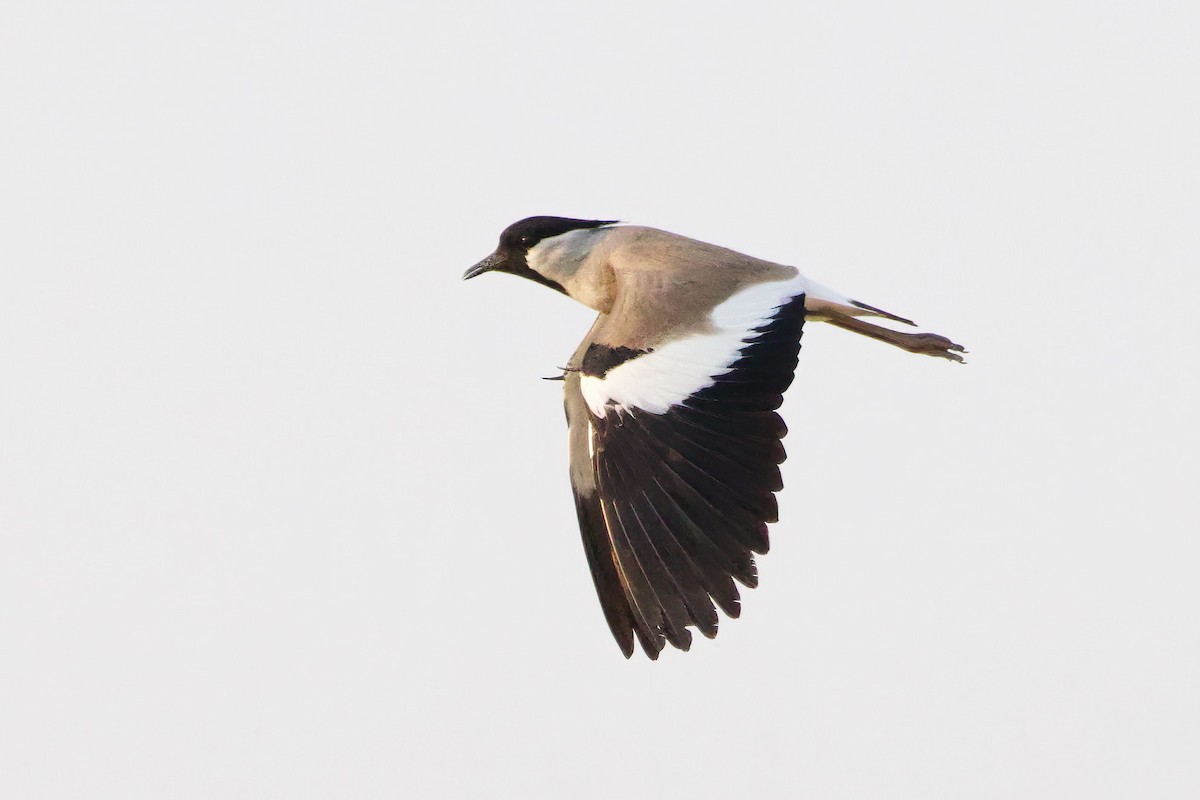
680	639
625	642
651	647
750	580
675	559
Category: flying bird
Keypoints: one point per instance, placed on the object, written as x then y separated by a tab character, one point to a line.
671	398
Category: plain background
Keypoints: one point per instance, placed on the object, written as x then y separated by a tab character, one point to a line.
283	504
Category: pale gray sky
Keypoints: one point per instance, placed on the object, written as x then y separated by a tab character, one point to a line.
284	508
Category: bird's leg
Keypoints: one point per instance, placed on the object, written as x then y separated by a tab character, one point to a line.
565	370
930	344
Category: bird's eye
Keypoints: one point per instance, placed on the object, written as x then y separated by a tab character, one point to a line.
525	240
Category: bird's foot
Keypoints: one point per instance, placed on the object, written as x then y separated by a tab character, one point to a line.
932	344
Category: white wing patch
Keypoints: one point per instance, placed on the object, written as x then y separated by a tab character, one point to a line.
671	373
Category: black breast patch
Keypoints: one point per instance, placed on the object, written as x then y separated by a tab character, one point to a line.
600	358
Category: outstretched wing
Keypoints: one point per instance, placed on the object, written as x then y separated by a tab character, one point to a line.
675	453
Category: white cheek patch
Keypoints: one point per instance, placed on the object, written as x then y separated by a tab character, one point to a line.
672	372
536	256
553	250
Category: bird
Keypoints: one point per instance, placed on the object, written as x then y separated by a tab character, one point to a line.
674	439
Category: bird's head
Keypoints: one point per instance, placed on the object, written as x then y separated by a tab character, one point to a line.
518	239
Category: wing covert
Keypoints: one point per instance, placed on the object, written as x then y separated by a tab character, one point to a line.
675	483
